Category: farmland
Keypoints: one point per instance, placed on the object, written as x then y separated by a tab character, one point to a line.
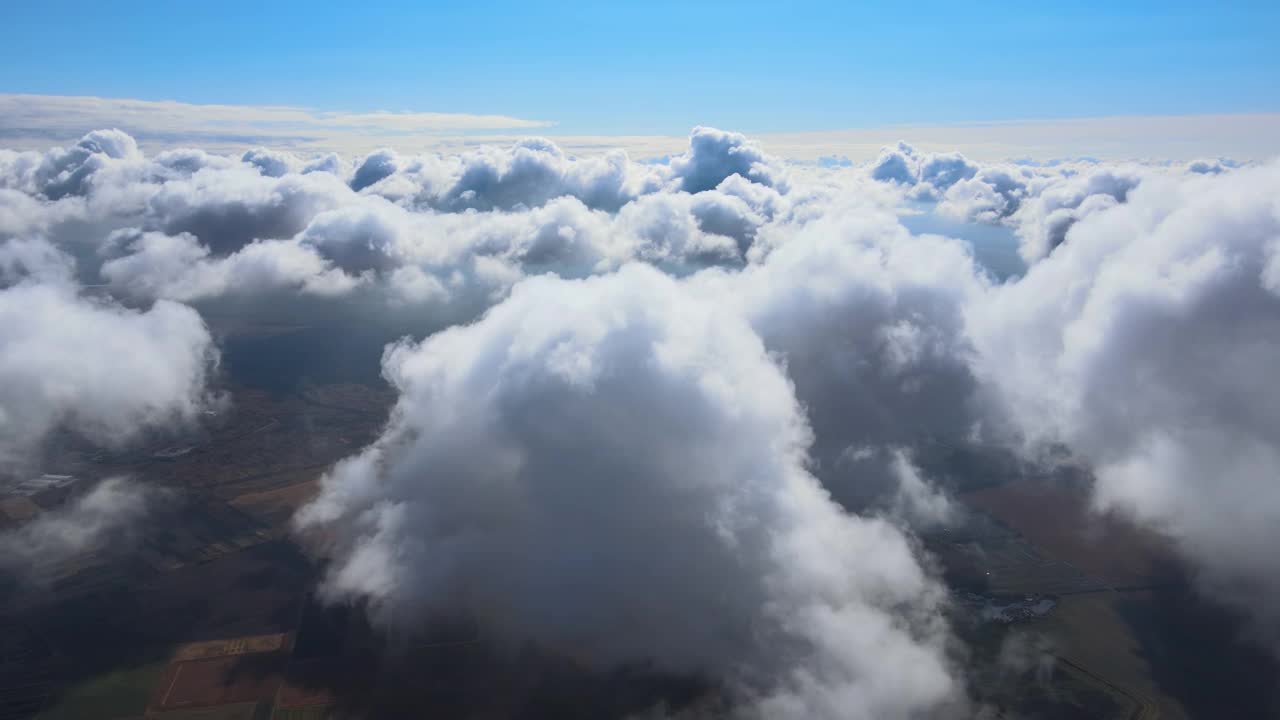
1119	595
194	617
208	613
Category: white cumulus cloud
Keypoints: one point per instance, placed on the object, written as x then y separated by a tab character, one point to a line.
614	468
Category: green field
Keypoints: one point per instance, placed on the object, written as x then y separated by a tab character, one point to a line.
306	712
236	711
114	695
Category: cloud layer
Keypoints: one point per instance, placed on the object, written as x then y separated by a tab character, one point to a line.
53	117
692	391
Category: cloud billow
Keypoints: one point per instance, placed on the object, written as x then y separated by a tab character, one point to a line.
869	323
1145	343
94	368
417	228
614	468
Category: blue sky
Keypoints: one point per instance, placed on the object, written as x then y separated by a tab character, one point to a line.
660	67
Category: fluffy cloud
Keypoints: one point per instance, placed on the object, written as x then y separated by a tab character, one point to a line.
271	163
422	228
928	174
1040	203
715	155
178	267
66	172
464	255
1147	344
535	171
374	168
1139	338
869	321
94	368
228	210
615	468
1043	221
34	259
897	164
412	255
670	230
63	172
942	170
103	517
993	194
1211	167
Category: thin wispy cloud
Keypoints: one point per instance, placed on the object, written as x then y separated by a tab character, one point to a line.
39	120
42	121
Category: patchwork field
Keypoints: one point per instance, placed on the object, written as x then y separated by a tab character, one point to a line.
238	711
208	615
275	642
1092	638
277	505
219	681
1055	516
118	694
1128	631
